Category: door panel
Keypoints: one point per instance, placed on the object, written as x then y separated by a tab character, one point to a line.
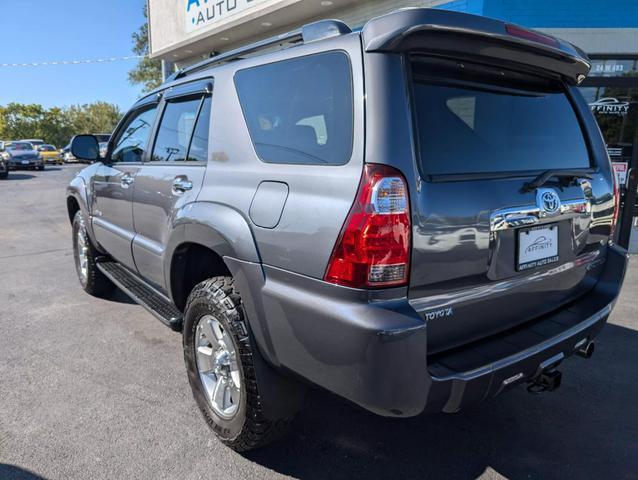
112	210
170	181
113	185
155	202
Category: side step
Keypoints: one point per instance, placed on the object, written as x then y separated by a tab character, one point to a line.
142	293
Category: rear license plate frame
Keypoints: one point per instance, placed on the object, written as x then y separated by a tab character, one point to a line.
539	250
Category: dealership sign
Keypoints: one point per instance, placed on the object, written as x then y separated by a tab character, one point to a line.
202	13
610	106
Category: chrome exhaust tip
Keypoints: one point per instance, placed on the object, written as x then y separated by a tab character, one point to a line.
586	350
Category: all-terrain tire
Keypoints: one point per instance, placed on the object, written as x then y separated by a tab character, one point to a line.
248	428
94	282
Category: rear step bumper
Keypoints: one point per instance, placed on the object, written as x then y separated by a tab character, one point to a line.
484	369
374	351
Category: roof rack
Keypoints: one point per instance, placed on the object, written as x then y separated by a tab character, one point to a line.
308	33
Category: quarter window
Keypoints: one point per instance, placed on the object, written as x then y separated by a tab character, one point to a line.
300	111
133	141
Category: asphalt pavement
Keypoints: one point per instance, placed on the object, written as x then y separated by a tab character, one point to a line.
96	389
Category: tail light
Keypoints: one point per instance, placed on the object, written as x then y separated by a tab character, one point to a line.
614	220
373	249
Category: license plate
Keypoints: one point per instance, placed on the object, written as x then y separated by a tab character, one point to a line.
537	246
25	162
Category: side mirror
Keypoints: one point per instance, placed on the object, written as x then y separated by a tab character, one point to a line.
85	147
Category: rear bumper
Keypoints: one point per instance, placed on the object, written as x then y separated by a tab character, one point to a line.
373	350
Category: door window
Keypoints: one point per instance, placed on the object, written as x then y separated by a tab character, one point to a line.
199	145
176	130
132	142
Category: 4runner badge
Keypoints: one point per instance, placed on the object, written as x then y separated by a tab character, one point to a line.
440	313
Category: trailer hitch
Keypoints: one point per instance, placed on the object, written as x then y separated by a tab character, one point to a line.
547	381
547	378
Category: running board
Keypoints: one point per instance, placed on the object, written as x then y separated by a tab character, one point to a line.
142	294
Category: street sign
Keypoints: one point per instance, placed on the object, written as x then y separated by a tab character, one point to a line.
620	170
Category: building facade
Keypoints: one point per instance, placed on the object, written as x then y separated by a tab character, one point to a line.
182	31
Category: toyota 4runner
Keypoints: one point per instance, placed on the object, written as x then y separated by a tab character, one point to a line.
415	216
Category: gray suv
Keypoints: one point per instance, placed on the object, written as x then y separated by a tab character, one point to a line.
416	216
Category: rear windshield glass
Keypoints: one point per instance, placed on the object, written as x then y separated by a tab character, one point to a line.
481	128
300	111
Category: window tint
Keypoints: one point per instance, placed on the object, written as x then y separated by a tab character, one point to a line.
199	144
483	129
300	111
175	130
133	139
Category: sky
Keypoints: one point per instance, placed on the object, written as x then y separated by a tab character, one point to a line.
53	30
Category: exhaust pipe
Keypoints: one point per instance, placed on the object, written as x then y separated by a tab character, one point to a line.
586	350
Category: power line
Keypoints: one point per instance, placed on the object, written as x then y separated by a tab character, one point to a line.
71	62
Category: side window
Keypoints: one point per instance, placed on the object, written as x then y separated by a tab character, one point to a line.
199	145
132	142
300	111
175	130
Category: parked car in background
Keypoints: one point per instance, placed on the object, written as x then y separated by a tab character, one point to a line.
36	142
23	155
102	137
415	236
4	168
67	156
50	154
103	149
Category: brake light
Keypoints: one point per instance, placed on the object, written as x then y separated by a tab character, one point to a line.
614	220
373	249
531	35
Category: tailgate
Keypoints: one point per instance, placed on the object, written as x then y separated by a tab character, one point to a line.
490	252
493	107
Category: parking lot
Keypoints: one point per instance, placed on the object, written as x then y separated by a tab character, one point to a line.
94	388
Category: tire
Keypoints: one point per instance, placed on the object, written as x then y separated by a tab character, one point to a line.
217	300
4	175
93	281
41	167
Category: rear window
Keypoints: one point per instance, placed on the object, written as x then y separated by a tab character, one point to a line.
300	111
466	128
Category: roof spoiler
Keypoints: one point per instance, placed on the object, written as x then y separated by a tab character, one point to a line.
446	33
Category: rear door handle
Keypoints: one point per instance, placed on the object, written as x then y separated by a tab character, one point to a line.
181	185
127	180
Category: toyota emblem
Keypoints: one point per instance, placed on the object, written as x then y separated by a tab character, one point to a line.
548	200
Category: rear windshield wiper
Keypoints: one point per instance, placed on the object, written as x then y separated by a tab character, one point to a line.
544	177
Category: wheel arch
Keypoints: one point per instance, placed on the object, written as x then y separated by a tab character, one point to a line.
208	233
76	197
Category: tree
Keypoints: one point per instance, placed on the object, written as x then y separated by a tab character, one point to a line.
22	121
98	117
56	125
148	72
